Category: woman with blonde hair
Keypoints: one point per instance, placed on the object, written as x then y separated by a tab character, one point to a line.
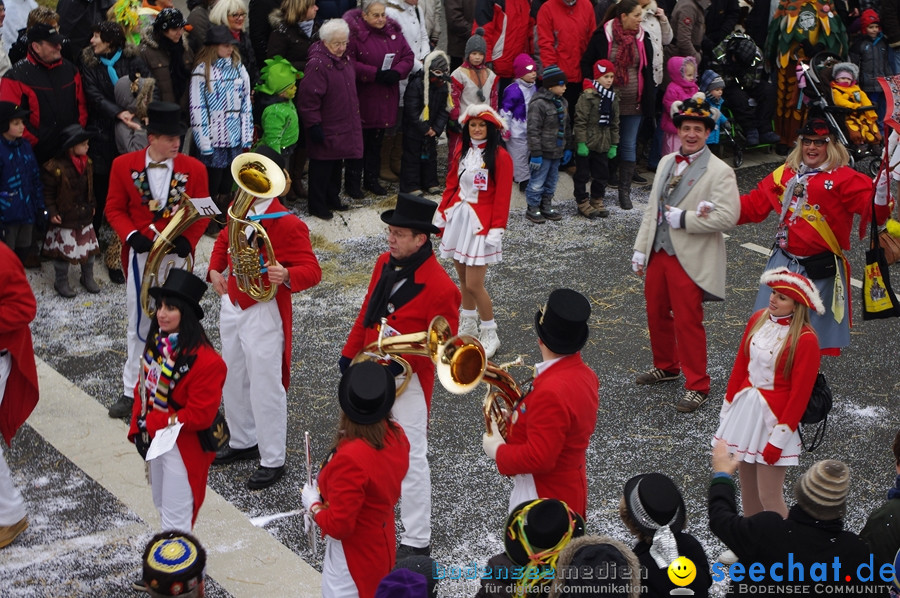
233	15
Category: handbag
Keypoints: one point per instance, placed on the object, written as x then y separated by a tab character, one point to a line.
890	245
820	403
878	297
215	437
819	266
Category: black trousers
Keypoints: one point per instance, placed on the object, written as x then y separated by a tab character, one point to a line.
418	163
324	185
370	163
751	117
595	168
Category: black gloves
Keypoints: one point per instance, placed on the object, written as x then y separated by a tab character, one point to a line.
182	247
316	134
142	439
388	77
140	243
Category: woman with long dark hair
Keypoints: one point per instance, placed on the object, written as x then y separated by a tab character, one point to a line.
473	214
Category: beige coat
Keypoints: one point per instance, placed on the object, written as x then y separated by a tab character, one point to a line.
699	246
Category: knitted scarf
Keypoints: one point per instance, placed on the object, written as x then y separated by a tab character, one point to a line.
164	351
606	101
393	272
627	47
111	65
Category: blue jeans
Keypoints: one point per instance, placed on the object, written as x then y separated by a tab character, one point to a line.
628	132
542	182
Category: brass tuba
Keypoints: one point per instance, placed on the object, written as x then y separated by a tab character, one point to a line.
257	177
460	360
503	396
181	220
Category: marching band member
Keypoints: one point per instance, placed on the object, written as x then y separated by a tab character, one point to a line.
409	288
256	338
145	189
552	426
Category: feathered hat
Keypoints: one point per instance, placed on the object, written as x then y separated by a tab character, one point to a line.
437	61
484	112
794	285
694	108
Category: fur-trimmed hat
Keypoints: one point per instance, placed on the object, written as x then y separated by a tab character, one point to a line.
794	285
695	108
845	67
476	43
485	113
869	17
822	490
437	61
522	65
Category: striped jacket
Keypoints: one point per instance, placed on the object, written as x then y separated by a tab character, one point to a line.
221	117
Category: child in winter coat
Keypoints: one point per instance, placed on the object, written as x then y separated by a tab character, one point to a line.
514	109
549	141
280	123
871	53
714	90
21	192
682	85
69	194
425	115
862	124
596	138
471	83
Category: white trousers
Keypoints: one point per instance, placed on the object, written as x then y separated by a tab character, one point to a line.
138	321
171	491
336	580
411	412
254	397
12	505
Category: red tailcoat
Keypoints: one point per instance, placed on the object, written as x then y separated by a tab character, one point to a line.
551	430
432	294
17	310
360	487
199	394
290	241
493	204
127	206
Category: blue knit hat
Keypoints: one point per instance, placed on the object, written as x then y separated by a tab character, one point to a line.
553	76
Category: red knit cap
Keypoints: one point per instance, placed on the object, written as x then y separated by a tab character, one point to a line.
602	67
869	17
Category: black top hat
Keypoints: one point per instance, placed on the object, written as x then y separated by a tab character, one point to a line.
816	125
72	135
366	392
9	111
42	32
412	212
174	563
219	34
695	108
183	285
164	118
546	522
653	501
562	323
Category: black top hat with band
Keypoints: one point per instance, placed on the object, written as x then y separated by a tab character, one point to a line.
9	111
164	118
73	135
174	564
366	392
183	285
816	126
653	501
538	525
219	34
562	323
695	108
412	212
42	32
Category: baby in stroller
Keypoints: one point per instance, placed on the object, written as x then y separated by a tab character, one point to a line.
862	121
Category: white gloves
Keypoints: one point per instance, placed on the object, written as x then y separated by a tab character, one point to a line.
637	261
673	216
490	443
310	496
881	189
494	236
704	208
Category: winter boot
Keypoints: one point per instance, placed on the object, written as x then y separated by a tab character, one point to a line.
613	167
489	339
298	165
87	276
533	213
372	184
385	172
547	209
353	180
597	204
626	171
586	209
468	323
62	279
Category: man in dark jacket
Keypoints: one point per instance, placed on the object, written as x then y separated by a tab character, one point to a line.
52	89
460	16
882	529
721	17
809	551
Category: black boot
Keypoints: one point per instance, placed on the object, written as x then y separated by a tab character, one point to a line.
547	210
62	279
626	171
371	184
353	180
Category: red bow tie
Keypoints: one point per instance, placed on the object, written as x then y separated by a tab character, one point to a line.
680	158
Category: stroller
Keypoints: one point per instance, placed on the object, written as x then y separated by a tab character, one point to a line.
865	158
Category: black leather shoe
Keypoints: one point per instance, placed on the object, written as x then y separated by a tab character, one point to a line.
322	214
375	187
230	455
122	407
264	477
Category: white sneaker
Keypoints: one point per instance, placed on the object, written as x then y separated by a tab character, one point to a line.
728	558
468	325
490	341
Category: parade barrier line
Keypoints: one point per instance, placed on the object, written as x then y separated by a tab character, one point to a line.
244	559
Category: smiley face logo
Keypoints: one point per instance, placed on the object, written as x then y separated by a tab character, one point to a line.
682	571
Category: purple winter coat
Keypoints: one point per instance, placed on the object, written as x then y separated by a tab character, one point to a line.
327	96
366	48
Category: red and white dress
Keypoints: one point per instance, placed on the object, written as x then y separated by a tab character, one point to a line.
762	405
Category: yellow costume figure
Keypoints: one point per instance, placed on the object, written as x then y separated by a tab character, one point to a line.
862	124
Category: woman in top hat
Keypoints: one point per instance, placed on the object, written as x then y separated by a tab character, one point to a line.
180	381
652	509
772	379
815	193
69	197
360	485
473	213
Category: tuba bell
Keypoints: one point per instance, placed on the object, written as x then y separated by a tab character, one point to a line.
459	360
258	177
502	398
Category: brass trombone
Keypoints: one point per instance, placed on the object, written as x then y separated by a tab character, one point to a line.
503	396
